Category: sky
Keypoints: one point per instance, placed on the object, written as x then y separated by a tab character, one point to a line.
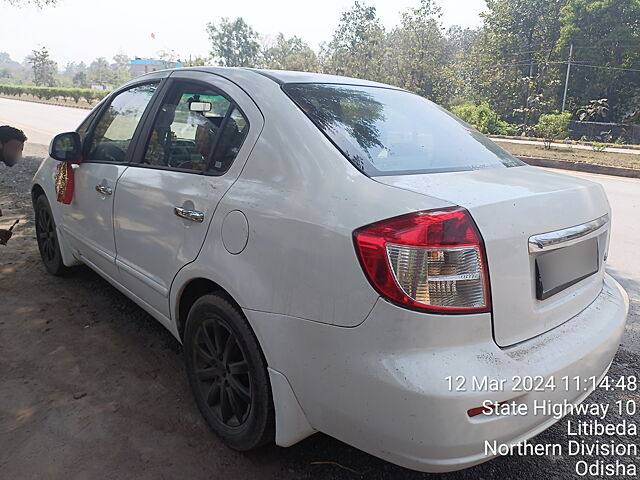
82	30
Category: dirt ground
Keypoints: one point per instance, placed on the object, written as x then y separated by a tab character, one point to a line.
92	387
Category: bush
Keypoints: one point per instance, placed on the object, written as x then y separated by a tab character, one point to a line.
76	94
505	128
553	126
482	118
47	93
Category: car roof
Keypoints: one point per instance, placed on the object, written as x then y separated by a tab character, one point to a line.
288	76
283	76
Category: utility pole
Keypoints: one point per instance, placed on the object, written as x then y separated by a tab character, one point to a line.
566	82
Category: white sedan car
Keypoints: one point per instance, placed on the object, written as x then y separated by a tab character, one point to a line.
341	256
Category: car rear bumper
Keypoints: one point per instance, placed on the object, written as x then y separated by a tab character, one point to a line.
382	386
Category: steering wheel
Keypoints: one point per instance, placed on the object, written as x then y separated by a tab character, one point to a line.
110	152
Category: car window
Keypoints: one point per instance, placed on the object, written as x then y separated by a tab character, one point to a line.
86	123
231	139
384	131
184	136
114	131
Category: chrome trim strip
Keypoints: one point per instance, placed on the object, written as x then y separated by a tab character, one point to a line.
567	236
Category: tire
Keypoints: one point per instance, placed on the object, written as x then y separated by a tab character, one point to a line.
228	374
47	236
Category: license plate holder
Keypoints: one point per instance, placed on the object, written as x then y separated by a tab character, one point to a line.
559	269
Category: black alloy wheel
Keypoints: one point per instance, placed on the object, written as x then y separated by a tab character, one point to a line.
48	238
228	373
223	372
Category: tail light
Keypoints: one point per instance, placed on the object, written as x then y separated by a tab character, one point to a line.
431	260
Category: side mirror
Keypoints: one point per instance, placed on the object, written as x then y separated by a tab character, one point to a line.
66	147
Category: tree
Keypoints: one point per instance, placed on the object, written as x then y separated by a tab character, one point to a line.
234	43
461	66
11	69
121	60
70	69
100	71
168	56
77	74
44	69
517	57
15	72
358	45
290	54
120	68
196	61
80	80
417	53
606	35
6	61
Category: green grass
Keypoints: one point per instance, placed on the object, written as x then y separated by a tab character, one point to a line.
626	160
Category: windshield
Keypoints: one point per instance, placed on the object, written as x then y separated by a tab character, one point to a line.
383	131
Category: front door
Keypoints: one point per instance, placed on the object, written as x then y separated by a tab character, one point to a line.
88	220
195	148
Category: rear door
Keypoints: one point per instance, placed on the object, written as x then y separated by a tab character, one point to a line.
88	220
191	151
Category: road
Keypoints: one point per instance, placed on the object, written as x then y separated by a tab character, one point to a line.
93	387
38	120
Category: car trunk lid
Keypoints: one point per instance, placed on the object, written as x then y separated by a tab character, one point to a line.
533	289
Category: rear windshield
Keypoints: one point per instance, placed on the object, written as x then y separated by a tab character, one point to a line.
383	131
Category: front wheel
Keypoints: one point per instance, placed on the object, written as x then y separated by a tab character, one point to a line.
48	238
228	373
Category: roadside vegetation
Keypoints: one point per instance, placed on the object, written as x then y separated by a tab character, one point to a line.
61	95
569	154
552	127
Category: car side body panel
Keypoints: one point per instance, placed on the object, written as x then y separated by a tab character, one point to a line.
302	200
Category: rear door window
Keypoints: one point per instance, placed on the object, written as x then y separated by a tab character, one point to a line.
197	129
384	131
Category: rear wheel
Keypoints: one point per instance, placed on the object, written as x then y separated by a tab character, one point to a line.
228	373
48	238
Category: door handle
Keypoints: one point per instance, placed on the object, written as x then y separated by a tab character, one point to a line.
193	215
104	190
